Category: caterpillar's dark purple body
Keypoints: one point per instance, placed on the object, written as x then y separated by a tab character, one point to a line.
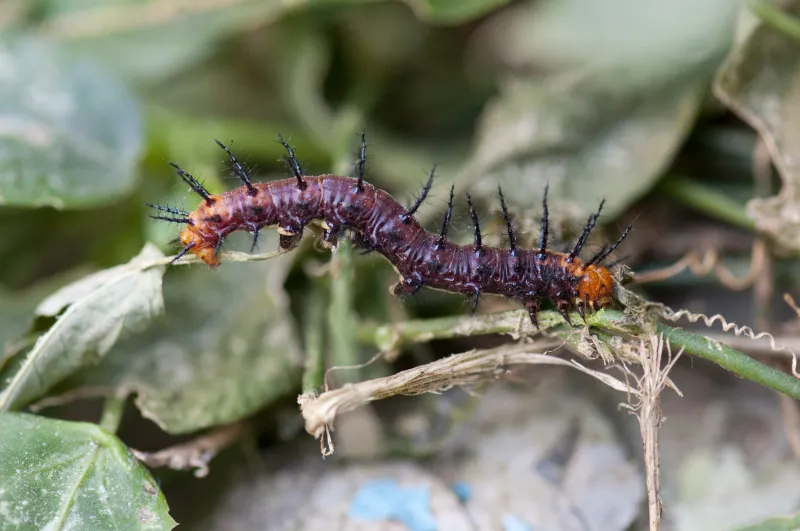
379	223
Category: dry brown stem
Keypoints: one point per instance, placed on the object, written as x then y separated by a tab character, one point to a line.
196	453
648	411
227	256
793	305
80	393
467	369
701	265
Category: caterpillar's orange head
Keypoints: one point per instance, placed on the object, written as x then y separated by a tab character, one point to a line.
595	287
199	245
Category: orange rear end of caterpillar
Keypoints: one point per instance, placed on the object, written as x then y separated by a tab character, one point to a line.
595	288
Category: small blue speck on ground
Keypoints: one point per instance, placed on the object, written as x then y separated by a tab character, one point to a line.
462	490
515	523
384	499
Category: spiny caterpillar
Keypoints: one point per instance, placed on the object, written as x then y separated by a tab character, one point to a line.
377	222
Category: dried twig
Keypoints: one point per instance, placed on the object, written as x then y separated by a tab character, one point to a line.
793	305
648	411
702	265
79	393
196	453
227	256
469	368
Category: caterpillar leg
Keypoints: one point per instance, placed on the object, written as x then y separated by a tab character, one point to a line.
254	231
330	234
563	309
533	312
363	243
289	238
582	310
406	287
475	298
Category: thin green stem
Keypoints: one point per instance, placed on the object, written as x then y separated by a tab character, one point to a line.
344	349
736	362
774	17
392	337
706	200
113	409
313	334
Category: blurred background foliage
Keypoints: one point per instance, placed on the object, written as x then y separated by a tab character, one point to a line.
652	106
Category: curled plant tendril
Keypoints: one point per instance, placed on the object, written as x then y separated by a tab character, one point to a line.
738	330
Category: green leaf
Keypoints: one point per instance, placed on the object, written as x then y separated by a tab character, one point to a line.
539	133
15	319
144	42
58	475
760	81
598	124
70	135
226	347
652	43
17	314
788	523
454	11
101	309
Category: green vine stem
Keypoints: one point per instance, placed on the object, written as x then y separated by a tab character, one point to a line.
731	359
314	343
774	17
516	323
707	200
113	409
344	350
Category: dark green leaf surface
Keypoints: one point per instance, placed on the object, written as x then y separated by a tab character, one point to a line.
145	41
70	135
539	133
454	11
101	308
787	523
57	475
600	123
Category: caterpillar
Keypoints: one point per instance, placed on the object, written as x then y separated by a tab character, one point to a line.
377	222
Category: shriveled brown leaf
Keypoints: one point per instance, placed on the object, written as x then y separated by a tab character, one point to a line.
760	82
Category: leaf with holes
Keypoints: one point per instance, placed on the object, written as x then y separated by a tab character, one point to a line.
56	474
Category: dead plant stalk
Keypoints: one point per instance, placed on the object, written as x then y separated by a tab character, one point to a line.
647	409
466	369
